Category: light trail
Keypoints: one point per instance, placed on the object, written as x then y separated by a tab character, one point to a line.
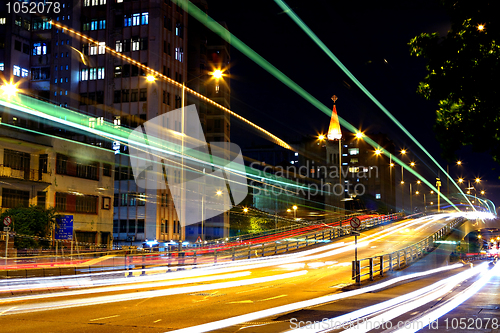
455	301
303	304
330	54
175	83
91	281
136	285
405	303
23	308
211	24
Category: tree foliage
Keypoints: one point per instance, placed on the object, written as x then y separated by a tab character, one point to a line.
32	221
464	77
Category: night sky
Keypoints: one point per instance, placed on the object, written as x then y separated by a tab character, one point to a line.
370	39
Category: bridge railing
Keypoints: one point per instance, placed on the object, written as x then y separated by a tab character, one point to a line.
378	265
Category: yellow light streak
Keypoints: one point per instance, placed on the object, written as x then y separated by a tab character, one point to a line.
175	83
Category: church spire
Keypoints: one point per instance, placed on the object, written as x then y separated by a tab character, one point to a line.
334	132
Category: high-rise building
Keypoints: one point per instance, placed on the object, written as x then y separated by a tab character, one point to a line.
65	68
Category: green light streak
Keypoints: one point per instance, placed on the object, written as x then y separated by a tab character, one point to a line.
254	56
325	49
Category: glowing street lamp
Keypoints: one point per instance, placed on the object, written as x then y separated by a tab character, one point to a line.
321	137
294	207
460	180
359	135
480	27
245	210
459	162
378	152
9	89
219	192
150	78
482	192
412	164
478	180
218	74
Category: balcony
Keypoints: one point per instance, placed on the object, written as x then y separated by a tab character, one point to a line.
21	176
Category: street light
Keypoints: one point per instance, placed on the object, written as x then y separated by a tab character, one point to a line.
9	88
295	212
218	74
245	210
321	137
150	78
378	152
359	135
219	192
412	164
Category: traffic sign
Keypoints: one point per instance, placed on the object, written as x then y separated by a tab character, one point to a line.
65	227
355	223
7	221
355	233
6	228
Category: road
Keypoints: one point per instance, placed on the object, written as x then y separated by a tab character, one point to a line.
182	299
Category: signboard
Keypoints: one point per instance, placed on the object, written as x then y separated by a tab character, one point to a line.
355	223
7	221
65	228
355	233
6	229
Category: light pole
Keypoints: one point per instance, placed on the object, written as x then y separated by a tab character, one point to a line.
294	212
438	185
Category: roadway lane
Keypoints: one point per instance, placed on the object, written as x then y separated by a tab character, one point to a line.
328	269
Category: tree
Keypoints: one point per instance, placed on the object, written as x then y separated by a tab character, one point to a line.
464	77
31	221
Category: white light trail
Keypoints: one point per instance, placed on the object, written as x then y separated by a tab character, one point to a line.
411	301
303	304
23	308
455	301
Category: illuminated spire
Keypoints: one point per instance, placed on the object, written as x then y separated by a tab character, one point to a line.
334	132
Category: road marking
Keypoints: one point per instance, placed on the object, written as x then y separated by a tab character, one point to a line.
237	302
144	300
104	318
1	313
156	321
270	298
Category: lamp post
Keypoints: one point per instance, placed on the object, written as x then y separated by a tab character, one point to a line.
438	185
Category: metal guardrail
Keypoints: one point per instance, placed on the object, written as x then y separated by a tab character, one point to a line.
295	225
196	256
401	258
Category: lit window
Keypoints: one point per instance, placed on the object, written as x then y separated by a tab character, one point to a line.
179	53
86	3
2	66
2	20
117	121
127	21
102	2
217	88
39	48
17	71
296	154
100	73
85	74
102	47
353	169
92	75
119	46
24	72
144	18
378	196
136	43
102	24
119	1
178	29
93	49
353	151
135	19
61	80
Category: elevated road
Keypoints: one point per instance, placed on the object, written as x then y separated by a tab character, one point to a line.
186	298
